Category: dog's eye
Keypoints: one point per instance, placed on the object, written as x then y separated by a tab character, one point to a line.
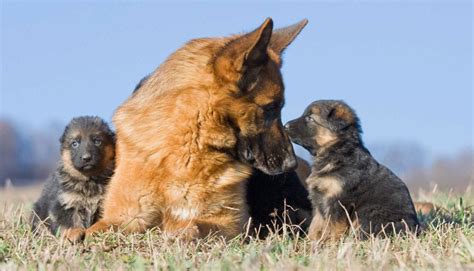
97	142
270	107
75	144
309	119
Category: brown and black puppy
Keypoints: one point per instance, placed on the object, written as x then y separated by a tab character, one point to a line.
347	185
72	196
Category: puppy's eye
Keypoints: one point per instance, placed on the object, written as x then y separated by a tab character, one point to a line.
75	144
97	142
309	119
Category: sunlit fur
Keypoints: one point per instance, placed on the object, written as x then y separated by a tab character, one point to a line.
181	135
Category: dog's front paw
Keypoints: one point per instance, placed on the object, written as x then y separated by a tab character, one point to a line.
187	233
191	233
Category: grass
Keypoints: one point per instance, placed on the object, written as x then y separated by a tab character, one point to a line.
446	244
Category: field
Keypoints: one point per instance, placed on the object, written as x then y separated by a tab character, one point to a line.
446	244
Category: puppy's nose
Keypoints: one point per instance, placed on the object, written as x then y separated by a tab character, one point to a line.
86	157
290	164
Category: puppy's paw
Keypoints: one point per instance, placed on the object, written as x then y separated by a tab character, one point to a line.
425	208
75	235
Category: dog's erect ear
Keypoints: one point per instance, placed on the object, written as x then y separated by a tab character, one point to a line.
340	117
260	38
244	56
282	37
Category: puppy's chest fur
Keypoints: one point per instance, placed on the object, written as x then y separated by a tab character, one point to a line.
325	189
84	207
82	198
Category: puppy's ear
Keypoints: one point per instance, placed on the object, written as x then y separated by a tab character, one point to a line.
340	117
113	136
62	139
282	37
241	60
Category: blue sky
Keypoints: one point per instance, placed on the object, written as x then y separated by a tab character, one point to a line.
406	67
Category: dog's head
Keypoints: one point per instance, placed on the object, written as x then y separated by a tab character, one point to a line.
87	146
247	69
322	124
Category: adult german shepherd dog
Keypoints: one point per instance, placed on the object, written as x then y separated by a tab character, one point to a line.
188	139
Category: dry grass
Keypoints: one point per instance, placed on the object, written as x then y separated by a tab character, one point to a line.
447	243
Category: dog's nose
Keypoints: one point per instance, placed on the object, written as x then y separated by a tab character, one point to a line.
86	157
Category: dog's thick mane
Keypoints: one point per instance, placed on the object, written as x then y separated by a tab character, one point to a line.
177	71
174	87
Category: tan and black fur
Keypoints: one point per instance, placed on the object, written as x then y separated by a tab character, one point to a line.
72	196
188	138
274	200
347	185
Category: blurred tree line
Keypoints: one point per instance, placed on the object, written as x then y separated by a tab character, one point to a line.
448	173
28	155
411	162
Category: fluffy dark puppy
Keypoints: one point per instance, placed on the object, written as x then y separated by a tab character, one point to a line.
347	185
72	196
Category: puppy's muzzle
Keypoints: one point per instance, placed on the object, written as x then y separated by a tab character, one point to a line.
290	163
